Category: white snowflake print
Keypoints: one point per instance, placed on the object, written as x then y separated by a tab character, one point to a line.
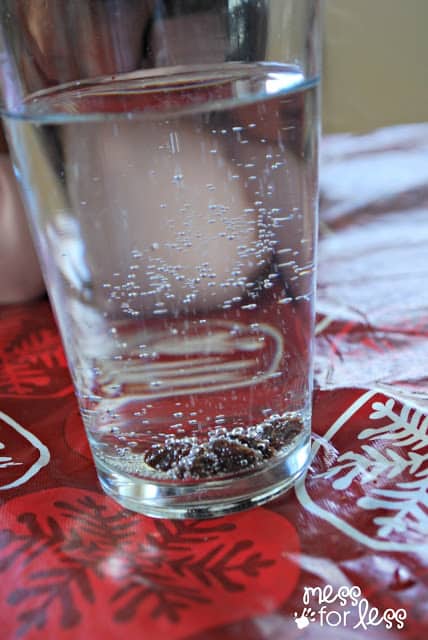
385	472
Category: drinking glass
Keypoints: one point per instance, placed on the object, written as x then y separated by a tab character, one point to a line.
167	155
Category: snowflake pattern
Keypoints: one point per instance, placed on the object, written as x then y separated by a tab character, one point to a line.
397	449
33	365
166	571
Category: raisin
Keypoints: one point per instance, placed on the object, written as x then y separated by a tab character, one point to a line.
261	445
281	433
203	465
233	456
163	458
226	453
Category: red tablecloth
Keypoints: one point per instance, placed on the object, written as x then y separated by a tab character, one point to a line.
73	564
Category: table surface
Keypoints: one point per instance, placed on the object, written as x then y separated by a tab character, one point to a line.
74	564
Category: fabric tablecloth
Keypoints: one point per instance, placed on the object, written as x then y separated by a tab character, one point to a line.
344	555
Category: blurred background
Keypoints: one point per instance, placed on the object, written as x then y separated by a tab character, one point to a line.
375	64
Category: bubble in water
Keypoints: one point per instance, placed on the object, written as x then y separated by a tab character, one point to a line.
155	384
123	451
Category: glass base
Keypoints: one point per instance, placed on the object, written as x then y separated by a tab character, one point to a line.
205	499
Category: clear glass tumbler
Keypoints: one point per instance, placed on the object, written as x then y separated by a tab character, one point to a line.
167	154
